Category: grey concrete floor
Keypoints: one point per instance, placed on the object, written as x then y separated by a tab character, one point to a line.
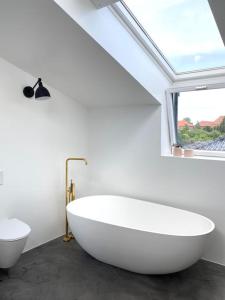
58	271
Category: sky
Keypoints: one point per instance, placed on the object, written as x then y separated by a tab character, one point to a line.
206	105
184	30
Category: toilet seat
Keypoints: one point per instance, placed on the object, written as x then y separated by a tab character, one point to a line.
13	229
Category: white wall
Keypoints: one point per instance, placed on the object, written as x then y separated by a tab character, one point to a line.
125	160
35	139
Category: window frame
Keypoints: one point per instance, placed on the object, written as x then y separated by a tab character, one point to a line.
121	11
171	120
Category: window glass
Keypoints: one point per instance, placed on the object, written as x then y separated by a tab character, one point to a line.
201	120
184	31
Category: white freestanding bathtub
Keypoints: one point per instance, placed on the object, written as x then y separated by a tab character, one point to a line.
136	235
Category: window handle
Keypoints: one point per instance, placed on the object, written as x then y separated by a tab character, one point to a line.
201	87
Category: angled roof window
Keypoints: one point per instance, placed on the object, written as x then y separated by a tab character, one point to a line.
184	32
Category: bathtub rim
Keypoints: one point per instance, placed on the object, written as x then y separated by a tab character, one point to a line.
212	224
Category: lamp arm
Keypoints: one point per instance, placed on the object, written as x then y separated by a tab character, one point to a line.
39	80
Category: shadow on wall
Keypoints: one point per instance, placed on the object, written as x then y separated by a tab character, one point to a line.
123	144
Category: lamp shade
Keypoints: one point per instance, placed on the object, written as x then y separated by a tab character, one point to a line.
41	92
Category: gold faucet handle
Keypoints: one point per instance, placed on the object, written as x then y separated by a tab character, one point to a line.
72	190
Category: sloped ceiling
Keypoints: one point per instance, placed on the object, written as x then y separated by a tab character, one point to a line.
38	37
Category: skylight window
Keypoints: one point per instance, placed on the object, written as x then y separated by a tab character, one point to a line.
184	31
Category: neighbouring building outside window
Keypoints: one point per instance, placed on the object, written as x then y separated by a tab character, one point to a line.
200	120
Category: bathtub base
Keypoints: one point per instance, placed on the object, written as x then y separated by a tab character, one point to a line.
126	250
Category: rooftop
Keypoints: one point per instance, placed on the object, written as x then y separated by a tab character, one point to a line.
202	124
184	123
216	145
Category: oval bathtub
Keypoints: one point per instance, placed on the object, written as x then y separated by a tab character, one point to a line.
136	235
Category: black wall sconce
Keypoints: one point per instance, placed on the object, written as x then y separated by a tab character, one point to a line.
41	92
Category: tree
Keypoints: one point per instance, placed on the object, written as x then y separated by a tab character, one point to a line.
208	128
221	128
188	135
187	119
215	134
197	125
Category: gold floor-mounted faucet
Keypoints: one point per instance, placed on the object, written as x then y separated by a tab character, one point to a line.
70	194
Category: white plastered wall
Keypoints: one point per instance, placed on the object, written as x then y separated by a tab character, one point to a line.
35	139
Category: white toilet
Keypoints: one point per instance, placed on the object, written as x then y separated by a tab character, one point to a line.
13	237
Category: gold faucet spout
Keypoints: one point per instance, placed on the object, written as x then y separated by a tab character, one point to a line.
76	158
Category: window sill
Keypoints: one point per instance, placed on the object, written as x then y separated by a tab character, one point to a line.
196	157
